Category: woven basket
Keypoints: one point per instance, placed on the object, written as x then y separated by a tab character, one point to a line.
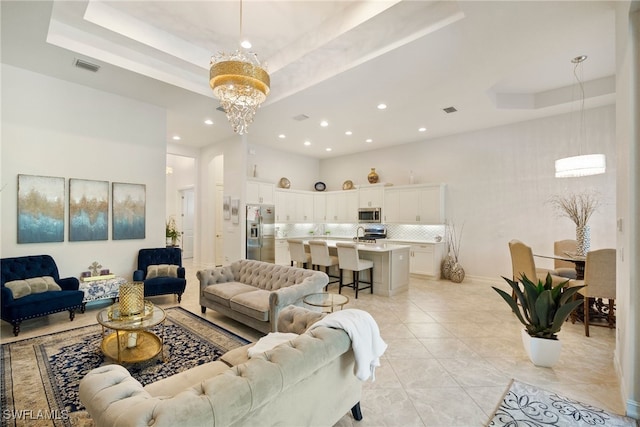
131	298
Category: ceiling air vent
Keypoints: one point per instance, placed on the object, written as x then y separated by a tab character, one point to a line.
300	117
86	65
449	110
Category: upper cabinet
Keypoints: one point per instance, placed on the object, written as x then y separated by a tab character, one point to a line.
294	206
415	204
260	192
342	206
371	197
319	207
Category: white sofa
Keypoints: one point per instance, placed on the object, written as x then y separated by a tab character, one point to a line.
308	381
254	292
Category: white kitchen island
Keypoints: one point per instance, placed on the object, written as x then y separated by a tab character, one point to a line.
390	265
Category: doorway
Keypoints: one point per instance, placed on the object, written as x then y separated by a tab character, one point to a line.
187	197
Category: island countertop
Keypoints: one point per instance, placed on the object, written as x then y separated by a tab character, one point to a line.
390	264
366	247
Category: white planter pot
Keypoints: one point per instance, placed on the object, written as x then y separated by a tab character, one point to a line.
542	352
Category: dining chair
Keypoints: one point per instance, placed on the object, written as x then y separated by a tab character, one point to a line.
522	264
320	257
600	281
298	253
565	268
349	259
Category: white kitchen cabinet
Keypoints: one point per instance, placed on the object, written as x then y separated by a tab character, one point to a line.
415	204
431	204
319	207
421	260
282	252
304	207
294	206
260	192
342	206
371	197
285	206
425	259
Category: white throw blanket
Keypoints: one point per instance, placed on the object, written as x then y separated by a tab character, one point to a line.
269	341
366	341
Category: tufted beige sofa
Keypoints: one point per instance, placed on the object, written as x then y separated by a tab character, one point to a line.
307	381
254	292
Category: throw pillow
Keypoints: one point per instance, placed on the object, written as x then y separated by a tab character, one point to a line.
19	288
51	284
162	270
37	284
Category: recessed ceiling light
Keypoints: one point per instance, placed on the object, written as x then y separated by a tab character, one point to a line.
176	138
307	143
324	123
246	44
422	129
348	133
327	149
382	106
208	122
282	136
369	140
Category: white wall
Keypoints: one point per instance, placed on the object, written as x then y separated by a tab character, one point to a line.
54	128
628	209
498	182
183	177
271	165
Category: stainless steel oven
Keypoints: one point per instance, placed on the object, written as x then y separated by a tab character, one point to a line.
369	215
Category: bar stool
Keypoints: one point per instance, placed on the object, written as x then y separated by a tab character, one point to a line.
298	254
320	257
348	259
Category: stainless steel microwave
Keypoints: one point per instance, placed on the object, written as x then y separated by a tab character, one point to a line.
370	215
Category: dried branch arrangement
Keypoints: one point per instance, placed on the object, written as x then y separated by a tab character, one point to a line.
578	207
453	239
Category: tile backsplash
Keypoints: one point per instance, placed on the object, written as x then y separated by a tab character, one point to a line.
410	232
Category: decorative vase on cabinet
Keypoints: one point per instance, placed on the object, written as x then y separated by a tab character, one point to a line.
373	176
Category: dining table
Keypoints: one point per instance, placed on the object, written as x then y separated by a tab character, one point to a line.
578	260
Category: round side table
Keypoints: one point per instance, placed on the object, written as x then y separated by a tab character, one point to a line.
326	301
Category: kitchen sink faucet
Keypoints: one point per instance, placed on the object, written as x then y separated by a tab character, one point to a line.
358	233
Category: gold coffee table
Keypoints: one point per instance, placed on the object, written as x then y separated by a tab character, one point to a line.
131	341
326	300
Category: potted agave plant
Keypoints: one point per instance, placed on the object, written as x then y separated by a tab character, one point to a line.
542	309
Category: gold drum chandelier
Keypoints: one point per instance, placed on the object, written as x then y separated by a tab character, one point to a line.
241	83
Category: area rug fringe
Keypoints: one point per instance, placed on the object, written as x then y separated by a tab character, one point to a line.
524	405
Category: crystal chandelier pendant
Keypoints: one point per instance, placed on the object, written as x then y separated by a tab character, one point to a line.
241	84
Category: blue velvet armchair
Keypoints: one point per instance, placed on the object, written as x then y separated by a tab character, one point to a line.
162	283
42	303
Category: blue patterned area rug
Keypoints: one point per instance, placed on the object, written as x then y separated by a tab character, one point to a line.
524	405
40	376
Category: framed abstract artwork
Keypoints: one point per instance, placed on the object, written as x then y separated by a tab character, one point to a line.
88	210
235	211
40	209
226	207
129	211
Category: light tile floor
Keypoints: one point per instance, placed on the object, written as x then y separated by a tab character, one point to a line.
453	349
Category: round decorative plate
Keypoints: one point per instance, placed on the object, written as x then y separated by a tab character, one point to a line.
319	186
284	183
347	185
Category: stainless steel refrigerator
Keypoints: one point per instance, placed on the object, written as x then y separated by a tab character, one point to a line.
261	233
